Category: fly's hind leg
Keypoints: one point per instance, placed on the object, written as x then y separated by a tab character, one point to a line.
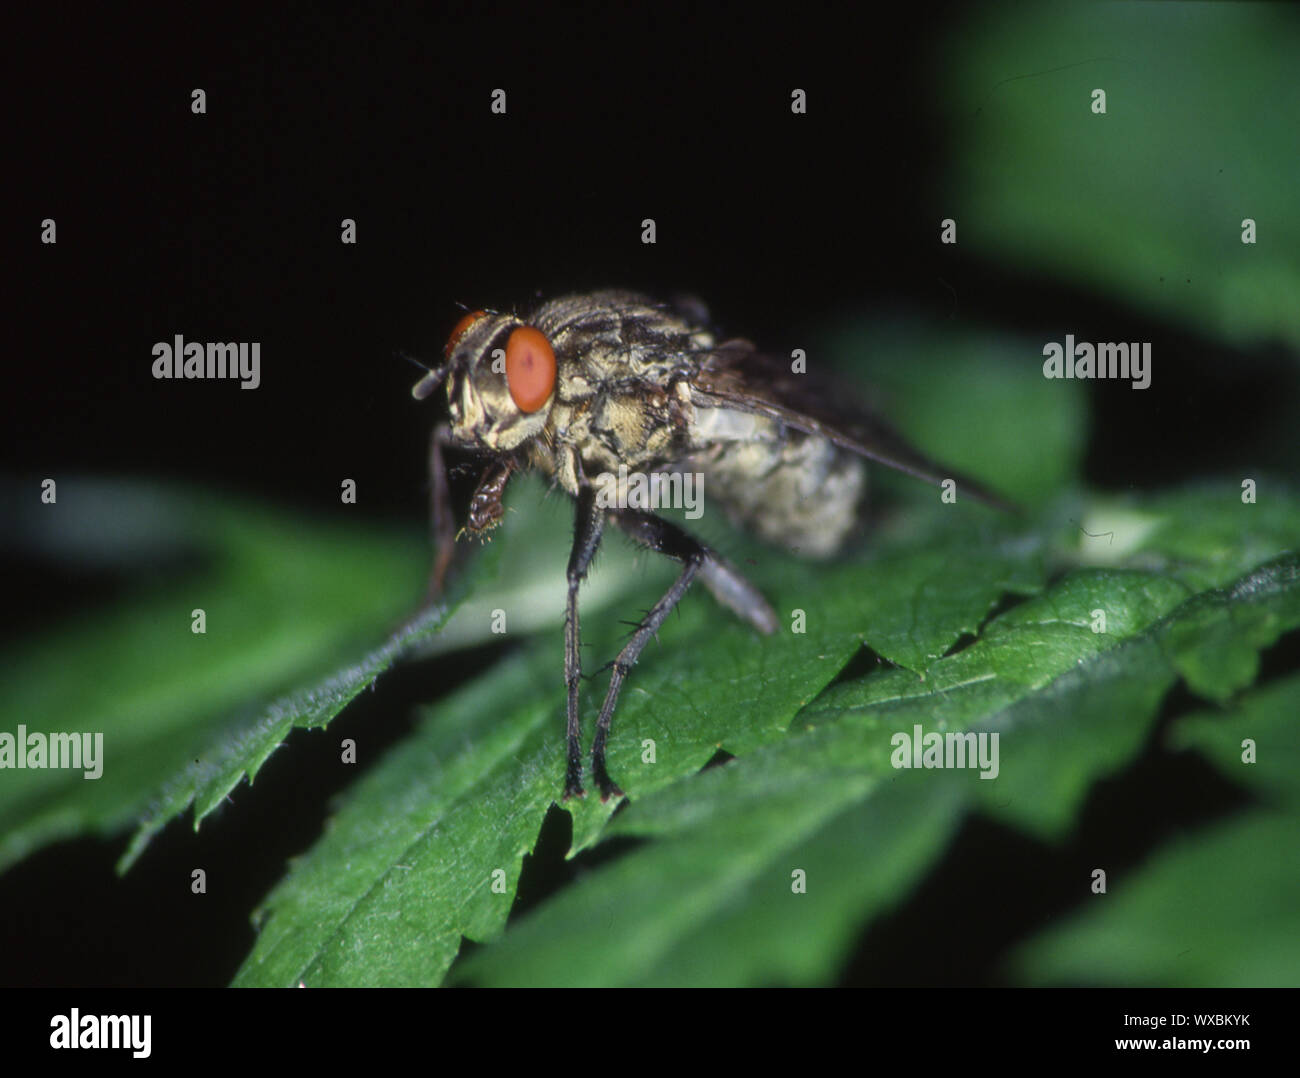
719	576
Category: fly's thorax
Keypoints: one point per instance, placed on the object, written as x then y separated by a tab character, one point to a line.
640	427
604	350
618	335
616	390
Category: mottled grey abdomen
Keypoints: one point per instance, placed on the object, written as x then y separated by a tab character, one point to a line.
791	489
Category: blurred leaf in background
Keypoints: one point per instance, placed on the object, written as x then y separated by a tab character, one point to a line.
282	599
1146	202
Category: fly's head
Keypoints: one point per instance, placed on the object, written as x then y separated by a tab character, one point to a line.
501	377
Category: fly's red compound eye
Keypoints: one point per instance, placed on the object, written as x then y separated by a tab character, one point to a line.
459	331
530	368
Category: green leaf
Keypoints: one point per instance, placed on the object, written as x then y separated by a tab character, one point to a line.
240	753
714	877
408	864
715	684
283	601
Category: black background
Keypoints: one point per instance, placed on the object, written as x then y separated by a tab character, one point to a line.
226	226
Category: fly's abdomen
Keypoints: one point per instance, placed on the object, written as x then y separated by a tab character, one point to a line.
789	488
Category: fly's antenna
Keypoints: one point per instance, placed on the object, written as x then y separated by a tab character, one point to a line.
433	376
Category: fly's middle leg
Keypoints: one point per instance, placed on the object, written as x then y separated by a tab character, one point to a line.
588	523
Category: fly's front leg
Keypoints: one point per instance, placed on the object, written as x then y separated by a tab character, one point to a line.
588	523
485	508
441	523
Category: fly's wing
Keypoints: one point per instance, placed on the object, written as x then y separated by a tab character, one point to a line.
737	376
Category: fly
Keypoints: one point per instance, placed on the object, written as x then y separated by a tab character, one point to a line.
587	384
